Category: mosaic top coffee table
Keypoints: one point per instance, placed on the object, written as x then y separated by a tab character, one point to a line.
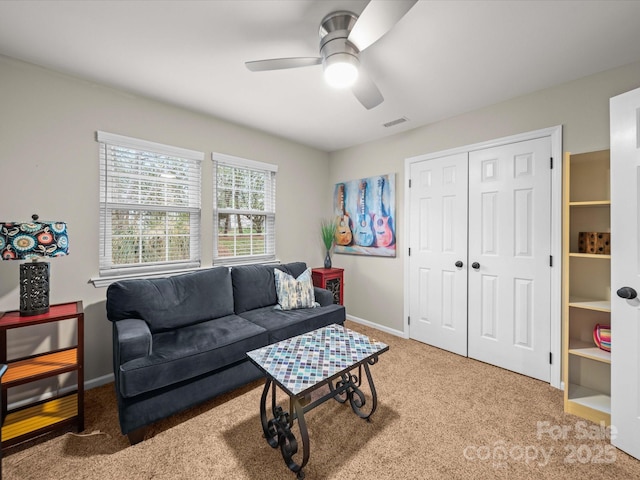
332	356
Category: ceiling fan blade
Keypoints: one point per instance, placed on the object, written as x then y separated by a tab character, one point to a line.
366	91
377	18
282	63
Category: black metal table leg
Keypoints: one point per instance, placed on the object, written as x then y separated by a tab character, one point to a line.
277	430
348	388
372	387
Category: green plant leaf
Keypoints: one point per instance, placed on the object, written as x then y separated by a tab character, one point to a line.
327	229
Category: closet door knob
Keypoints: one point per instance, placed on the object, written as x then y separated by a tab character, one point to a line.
459	264
627	292
475	265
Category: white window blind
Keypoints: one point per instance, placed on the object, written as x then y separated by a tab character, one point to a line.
149	206
244	210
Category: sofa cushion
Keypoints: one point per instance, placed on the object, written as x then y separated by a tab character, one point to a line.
255	287
283	324
185	353
295	269
293	292
172	302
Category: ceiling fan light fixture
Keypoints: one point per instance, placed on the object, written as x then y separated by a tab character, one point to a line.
341	70
343	35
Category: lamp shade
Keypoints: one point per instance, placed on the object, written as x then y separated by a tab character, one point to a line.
31	241
28	241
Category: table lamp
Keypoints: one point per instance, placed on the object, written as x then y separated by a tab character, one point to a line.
30	241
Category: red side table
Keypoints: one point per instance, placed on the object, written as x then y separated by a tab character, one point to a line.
332	279
60	411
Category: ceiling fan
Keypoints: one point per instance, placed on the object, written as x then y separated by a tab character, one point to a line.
343	35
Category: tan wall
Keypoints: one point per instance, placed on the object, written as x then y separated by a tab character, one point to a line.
47	144
49	166
375	285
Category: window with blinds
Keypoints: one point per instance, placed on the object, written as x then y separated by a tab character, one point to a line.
149	206
244	210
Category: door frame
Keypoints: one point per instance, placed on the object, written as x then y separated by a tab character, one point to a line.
555	134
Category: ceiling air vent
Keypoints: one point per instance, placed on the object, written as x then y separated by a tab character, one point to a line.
395	122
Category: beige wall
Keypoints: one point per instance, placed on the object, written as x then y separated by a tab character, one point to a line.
47	144
374	286
49	166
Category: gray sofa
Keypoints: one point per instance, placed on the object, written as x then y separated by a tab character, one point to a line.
181	340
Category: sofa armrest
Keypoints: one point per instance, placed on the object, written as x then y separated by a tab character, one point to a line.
131	339
323	296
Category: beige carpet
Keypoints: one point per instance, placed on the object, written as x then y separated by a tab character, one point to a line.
439	416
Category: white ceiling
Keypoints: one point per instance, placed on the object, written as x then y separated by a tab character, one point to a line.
442	59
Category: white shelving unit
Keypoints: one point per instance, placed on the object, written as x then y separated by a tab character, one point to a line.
586	287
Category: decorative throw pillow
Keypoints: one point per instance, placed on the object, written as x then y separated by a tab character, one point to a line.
294	292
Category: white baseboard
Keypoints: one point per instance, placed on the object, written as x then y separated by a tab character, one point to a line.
367	323
98	382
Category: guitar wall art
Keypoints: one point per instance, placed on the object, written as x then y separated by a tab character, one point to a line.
364	211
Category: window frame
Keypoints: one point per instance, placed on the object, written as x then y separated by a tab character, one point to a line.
192	162
269	211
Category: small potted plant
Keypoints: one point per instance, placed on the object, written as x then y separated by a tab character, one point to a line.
327	229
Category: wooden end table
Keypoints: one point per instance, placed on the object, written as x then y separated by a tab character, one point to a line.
331	279
37	418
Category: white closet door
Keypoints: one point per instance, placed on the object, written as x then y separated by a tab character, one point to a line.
438	231
625	270
509	237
